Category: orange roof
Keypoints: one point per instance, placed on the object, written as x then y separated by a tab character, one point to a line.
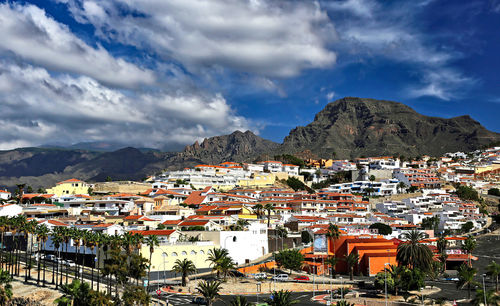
132	217
3	191
153	232
54	222
104	225
37	195
171	222
194	223
70	181
195	198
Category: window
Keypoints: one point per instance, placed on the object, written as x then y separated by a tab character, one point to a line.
202	252
184	253
193	253
174	254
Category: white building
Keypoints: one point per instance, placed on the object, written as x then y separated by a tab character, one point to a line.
10	210
4	195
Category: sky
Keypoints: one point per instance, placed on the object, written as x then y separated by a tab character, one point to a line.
165	73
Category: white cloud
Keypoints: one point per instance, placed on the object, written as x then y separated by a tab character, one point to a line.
445	84
28	32
383	30
329	96
267	38
39	108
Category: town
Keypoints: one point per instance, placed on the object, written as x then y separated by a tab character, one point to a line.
367	231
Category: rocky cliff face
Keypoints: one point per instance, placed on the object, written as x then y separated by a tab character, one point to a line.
238	146
352	127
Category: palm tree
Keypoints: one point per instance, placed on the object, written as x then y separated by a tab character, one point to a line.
281	233
239	301
76	235
42	235
352	260
215	257
344	303
469	245
258	208
442	245
494	271
99	240
30	229
209	290
333	234
57	240
401	186
151	241
332	262
76	293
184	267
491	298
269	208
413	253
3	228
5	287
225	265
66	233
466	276
91	242
282	298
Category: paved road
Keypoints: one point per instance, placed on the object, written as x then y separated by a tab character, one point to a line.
177	299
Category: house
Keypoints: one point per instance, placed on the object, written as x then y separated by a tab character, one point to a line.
4	195
71	186
10	210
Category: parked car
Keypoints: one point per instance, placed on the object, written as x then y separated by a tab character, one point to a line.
260	275
301	278
51	257
281	277
198	300
70	263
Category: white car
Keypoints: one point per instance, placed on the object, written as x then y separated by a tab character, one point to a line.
261	275
70	263
280	277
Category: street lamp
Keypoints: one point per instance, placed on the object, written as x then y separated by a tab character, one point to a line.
385	270
164	267
341	288
484	291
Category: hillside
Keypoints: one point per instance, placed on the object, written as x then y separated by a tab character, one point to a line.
353	127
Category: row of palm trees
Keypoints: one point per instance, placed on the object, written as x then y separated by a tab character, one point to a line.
20	249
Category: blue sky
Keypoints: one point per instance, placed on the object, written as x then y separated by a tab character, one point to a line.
164	73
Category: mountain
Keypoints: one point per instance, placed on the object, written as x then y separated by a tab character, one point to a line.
98	146
238	146
42	167
353	127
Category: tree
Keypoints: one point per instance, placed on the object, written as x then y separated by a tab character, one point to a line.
239	301
352	261
491	298
108	178
209	290
76	293
383	229
493	270
332	262
467	193
258	208
401	186
466	276
413	253
5	287
467	227
135	295
296	184
411	279
494	191
282	298
151	241
184	267
269	208
468	246
42	236
305	236
344	303
289	259
372	178
430	223
216	258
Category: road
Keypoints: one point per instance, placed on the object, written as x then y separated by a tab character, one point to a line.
178	299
